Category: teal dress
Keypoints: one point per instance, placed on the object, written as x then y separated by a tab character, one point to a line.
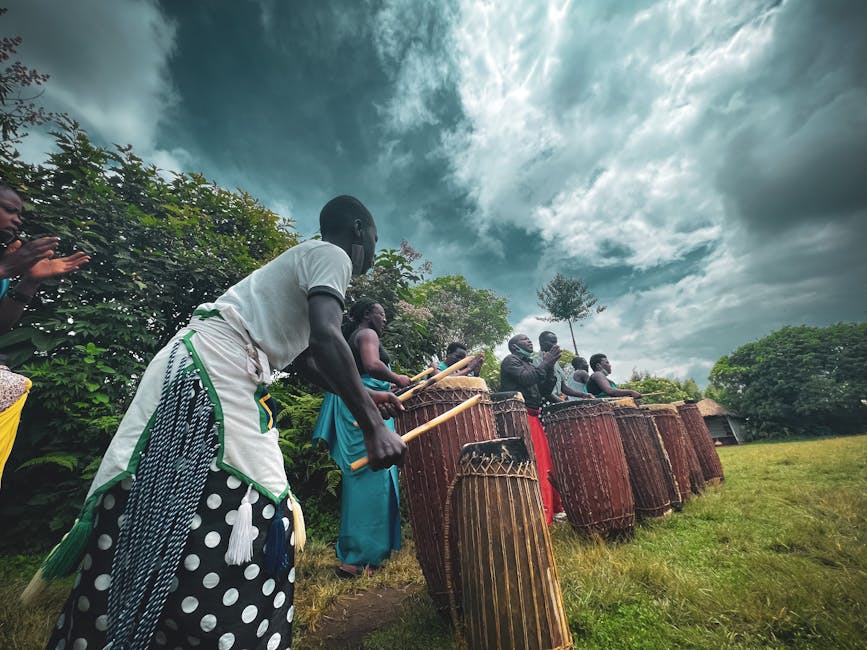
591	385
370	504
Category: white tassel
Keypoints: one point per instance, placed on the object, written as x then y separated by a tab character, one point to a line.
32	594
241	540
298	527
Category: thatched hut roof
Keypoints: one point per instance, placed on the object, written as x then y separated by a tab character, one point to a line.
708	407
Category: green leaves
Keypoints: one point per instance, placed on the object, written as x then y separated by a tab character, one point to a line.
159	247
798	380
568	299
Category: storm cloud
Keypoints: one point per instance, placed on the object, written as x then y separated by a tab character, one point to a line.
700	164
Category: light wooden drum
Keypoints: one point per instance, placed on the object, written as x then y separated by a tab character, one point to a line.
510	592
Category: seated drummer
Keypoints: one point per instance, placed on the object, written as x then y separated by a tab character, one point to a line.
454	353
599	384
547	340
519	373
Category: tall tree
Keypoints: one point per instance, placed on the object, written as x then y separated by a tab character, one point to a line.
568	299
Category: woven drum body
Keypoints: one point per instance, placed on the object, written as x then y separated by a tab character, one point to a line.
696	476
651	490
673	438
590	467
510	590
510	414
431	462
708	458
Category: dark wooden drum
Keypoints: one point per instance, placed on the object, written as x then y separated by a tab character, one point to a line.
672	443
651	488
510	414
702	442
670	425
431	462
590	467
510	591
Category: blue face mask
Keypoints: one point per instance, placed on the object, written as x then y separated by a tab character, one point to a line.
521	352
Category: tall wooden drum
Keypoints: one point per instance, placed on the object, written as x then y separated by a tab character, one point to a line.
590	467
510	414
671	449
708	458
431	462
511	594
650	487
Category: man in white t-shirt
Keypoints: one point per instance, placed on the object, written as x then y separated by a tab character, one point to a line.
198	455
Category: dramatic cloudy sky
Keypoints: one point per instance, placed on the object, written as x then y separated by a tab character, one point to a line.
702	165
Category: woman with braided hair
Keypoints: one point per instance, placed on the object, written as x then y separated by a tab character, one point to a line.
370	501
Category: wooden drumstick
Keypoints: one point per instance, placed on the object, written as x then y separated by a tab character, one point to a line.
408	392
427	426
412	390
661	392
423	373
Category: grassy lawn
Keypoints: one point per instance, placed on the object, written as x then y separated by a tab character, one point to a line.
776	557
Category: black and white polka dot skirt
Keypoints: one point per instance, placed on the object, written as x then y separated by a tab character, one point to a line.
211	605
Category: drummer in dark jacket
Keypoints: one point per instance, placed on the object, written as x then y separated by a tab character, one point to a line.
518	373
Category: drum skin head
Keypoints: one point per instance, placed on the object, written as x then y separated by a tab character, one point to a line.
659	407
578	405
509	394
505	448
476	383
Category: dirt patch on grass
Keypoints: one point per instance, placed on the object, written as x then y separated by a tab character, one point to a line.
355	616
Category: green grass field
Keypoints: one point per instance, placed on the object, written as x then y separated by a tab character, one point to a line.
775	557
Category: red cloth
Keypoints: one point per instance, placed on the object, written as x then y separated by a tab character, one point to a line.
550	497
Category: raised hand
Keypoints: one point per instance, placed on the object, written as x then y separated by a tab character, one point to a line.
20	258
49	268
553	355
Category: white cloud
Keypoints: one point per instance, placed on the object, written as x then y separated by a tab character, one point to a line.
108	67
584	124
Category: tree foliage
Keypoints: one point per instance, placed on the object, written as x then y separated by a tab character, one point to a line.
459	312
19	87
798	380
673	390
568	299
159	247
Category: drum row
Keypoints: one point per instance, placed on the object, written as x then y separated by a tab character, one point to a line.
476	509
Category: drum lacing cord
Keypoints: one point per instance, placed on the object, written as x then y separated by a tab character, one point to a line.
162	502
447	554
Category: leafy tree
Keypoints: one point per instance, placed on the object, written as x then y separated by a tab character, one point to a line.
159	248
568	299
798	380
459	312
18	89
672	390
407	335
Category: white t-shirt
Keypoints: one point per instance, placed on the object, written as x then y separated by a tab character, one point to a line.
272	300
